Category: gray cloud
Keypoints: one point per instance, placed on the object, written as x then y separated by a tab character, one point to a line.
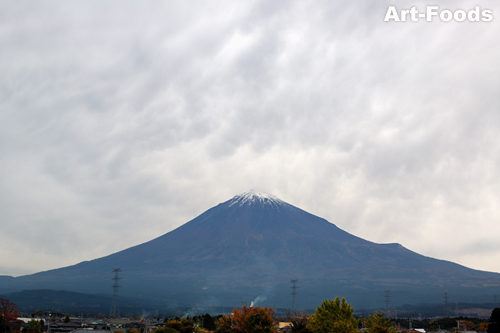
120	122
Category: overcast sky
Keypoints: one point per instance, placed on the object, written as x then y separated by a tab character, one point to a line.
120	121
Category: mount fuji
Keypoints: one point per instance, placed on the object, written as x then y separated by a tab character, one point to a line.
250	247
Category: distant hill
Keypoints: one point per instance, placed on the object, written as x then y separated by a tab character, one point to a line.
250	247
73	302
59	300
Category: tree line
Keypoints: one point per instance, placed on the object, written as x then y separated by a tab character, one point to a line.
332	316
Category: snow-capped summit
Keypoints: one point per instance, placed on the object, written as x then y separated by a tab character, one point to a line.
252	197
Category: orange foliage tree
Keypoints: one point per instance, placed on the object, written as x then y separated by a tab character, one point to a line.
253	320
483	327
8	310
469	325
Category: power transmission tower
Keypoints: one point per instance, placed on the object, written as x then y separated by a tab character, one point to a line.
387	300
294	293
115	307
446	305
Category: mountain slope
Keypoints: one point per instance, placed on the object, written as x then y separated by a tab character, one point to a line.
252	245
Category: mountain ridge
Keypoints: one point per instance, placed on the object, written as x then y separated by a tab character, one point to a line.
254	244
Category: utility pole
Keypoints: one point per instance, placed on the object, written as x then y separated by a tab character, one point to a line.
115	307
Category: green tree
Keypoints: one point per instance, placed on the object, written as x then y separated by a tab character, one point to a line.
333	317
208	322
494	321
378	323
4	327
33	327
